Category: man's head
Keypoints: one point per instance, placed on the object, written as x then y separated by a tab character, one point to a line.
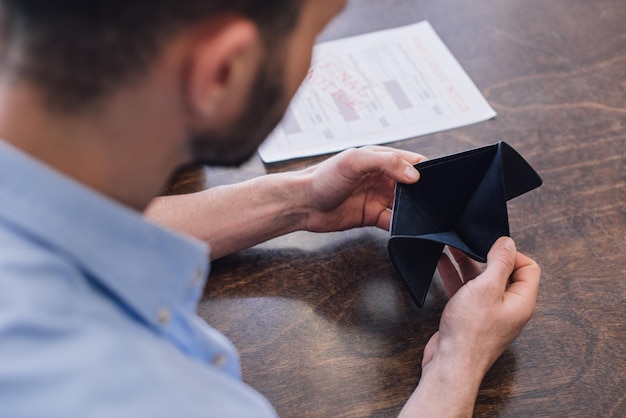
77	52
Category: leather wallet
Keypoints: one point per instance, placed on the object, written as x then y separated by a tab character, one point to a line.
459	201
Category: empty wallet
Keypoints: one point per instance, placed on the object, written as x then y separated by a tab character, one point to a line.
459	201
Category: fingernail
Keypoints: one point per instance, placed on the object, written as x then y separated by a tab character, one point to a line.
508	244
411	173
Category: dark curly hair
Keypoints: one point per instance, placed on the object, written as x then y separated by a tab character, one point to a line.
77	50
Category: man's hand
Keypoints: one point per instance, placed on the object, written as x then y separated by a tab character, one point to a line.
355	188
484	316
486	312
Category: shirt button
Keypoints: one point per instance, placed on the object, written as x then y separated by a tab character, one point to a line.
164	316
219	360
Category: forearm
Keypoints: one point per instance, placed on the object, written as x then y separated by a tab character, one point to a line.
231	218
351	189
446	389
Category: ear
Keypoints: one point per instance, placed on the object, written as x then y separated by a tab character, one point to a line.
223	64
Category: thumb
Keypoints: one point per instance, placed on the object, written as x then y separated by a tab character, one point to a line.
500	262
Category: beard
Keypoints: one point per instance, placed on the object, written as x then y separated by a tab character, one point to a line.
236	144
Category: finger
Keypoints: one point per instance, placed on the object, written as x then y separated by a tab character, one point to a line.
470	269
396	164
410	156
384	220
525	282
449	276
500	263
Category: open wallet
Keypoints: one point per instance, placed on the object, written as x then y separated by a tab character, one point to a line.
459	201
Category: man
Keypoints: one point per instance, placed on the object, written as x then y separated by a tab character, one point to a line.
100	102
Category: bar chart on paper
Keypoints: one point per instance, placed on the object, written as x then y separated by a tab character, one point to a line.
373	89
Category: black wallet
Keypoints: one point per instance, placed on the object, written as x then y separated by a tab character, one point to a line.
459	201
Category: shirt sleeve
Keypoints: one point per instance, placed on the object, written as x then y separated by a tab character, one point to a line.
67	351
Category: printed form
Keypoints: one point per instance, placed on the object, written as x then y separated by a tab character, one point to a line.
373	89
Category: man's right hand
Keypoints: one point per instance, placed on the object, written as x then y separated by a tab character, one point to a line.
487	310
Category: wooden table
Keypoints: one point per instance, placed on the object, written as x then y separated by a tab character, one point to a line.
324	326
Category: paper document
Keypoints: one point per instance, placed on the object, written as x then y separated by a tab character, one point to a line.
373	89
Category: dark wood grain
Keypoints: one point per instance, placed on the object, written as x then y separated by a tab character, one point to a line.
324	326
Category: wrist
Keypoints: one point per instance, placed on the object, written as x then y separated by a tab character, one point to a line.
288	191
462	356
448	387
459	375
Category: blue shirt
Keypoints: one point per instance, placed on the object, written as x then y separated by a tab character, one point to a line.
97	309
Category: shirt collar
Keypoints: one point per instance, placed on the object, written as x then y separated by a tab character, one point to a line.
148	267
